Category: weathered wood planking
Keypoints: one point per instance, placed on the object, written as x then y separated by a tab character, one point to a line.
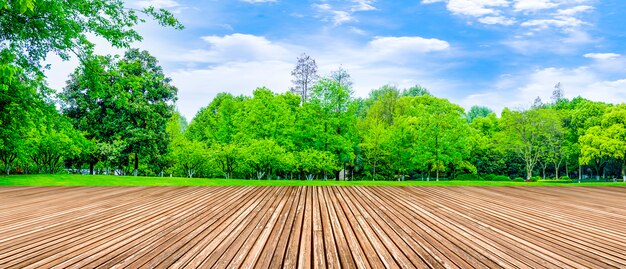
312	227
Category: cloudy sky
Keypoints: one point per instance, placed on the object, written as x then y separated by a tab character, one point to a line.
497	53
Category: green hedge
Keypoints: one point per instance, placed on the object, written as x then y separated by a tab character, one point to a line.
467	177
501	178
555	181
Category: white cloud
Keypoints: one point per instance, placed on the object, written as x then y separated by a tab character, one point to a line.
534	5
602	56
237	47
475	8
362	5
574	10
497	20
407	44
559	21
538	15
344	13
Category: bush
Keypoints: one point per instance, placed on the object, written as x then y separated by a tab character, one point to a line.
467	177
565	178
536	178
489	177
501	178
555	181
518	179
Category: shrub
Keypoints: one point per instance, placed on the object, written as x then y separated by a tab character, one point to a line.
501	178
565	178
555	181
536	178
489	177
518	179
471	177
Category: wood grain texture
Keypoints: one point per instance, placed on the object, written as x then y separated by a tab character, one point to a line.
312	227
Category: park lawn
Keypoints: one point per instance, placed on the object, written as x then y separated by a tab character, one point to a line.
104	180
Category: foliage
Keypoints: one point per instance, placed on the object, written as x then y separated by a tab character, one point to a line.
107	180
501	178
127	99
33	28
467	177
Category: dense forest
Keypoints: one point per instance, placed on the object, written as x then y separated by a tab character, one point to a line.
117	115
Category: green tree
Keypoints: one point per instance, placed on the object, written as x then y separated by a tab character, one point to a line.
129	99
442	134
33	28
335	120
477	112
52	141
190	156
19	103
525	133
608	139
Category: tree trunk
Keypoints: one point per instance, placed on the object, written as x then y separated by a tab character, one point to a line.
624	170
529	172
91	168
136	170
580	172
556	171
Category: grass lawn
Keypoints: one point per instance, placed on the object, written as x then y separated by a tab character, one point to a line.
103	180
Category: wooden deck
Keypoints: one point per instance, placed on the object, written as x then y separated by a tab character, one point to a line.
269	227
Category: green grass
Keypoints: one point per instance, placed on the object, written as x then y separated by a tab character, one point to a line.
103	180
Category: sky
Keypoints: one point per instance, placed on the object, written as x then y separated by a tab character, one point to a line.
494	53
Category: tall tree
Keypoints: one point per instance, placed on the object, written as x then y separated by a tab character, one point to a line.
304	76
129	99
333	104
342	77
525	134
608	139
558	94
442	140
19	102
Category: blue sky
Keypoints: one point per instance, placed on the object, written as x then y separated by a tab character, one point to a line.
497	53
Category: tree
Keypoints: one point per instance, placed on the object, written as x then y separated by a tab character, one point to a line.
20	100
263	156
608	139
342	77
442	140
558	94
525	133
304	76
331	102
374	152
227	157
33	28
537	103
53	140
416	90
477	112
190	156
129	99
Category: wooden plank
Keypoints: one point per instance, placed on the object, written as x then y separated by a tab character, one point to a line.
320	227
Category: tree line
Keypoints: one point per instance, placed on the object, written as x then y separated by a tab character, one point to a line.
116	115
